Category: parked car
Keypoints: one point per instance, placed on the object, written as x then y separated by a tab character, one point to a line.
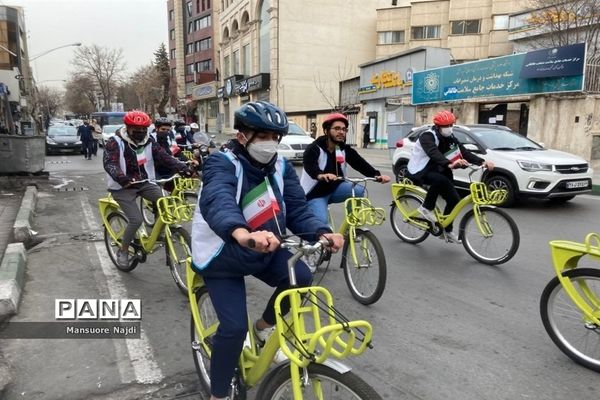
293	144
62	139
108	131
523	167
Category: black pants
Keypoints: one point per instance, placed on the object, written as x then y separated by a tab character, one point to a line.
440	184
88	148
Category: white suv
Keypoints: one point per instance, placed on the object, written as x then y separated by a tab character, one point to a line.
523	167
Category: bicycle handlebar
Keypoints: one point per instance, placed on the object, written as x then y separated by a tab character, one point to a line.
155	180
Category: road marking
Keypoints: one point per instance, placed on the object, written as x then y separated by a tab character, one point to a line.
141	355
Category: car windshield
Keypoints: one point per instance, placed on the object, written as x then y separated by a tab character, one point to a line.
497	139
110	128
296	130
64	130
115	120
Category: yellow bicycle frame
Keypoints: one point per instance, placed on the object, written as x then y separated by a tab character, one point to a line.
565	256
479	195
319	336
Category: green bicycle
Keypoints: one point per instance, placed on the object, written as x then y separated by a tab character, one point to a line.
312	333
363	259
172	211
487	233
570	302
187	188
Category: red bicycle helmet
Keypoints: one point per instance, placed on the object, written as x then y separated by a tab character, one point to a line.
444	118
137	118
331	118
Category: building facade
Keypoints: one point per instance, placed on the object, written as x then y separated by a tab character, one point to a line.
17	105
193	60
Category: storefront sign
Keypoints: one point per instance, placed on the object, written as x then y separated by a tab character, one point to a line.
386	79
497	77
220	92
367	89
559	61
205	91
257	82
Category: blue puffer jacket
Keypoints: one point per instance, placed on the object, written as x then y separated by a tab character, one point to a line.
222	213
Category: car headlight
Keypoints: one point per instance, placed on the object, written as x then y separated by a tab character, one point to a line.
78	142
533	166
283	146
50	141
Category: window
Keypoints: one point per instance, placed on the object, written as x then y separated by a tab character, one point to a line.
247	60
189	49
207	4
189	69
204	22
264	38
226	66
226	112
189	8
190	27
172	34
390	37
204	44
426	32
236	62
198	6
500	22
196	25
203	66
173	72
213	108
172	54
465	27
171	15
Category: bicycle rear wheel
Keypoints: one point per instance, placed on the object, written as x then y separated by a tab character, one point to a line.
201	350
365	278
564	321
401	226
324	383
182	245
118	223
498	247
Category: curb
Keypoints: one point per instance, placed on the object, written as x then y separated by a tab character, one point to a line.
22	231
12	275
596	190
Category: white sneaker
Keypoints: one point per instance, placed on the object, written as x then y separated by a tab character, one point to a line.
427	214
262	335
451	238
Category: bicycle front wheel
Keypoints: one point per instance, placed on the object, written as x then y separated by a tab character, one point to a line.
201	350
324	383
501	239
401	225
181	243
117	223
367	274
147	209
566	324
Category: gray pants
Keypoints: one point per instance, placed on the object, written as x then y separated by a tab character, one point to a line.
127	199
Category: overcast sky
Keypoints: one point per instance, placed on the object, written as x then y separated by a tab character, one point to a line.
136	26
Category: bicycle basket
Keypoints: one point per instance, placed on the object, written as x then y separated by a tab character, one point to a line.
173	210
360	211
188	154
315	329
187	184
481	195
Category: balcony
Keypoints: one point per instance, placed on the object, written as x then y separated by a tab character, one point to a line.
201	77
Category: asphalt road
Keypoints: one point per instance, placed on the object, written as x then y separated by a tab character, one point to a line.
445	328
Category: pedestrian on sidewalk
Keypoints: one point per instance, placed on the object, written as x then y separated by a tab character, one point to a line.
366	135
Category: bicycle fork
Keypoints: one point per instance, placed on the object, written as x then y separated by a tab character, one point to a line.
482	223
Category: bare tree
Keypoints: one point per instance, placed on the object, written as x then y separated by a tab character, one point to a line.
104	66
161	63
147	87
567	22
80	96
50	100
330	89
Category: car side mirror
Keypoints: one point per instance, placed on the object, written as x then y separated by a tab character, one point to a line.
472	147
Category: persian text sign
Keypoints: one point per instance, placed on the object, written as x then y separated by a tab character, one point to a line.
496	77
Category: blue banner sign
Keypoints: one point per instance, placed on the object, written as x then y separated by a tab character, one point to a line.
559	61
495	77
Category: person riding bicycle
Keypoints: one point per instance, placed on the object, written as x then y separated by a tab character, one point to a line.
248	193
131	156
325	160
436	153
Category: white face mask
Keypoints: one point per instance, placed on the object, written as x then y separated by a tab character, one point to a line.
264	151
446	132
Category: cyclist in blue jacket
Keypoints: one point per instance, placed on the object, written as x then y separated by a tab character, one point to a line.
249	192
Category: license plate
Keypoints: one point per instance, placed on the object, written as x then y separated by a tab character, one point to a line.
577	184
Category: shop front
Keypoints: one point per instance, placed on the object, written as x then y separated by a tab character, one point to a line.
385	92
207	106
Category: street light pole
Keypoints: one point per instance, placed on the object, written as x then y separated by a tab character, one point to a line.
51	50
